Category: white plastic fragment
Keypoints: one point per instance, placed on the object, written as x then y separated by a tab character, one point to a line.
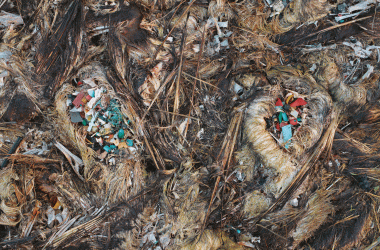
239	175
68	102
294	202
278	6
313	67
74	160
75	109
98	95
59	218
164	240
294	113
223	24
196	48
228	33
268	2
238	89
363	5
369	71
339	18
256	239
112	161
5	55
200	134
152	238
90	81
8	19
224	43
133	150
4	59
247	244
318	47
358	48
51	215
182	126
92	122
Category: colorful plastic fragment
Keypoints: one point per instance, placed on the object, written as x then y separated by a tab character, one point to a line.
279	102
298	102
129	142
287	134
78	101
121	134
293	121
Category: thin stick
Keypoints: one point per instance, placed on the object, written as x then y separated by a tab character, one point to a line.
11	151
197	79
196	76
176	100
168	35
168	112
338	26
159	92
225	159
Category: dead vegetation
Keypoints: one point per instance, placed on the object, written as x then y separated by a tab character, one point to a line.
190	162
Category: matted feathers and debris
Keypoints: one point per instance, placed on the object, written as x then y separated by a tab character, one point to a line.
249	124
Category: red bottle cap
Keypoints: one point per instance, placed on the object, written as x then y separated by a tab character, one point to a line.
293	121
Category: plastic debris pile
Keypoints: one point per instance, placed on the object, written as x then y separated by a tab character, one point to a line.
108	130
288	119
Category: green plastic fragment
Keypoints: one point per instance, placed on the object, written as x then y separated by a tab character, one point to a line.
84	122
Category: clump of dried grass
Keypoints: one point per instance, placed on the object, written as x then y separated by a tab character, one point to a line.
319	104
315	214
267	149
127	177
284	165
331	65
184	205
177	218
10	211
252	15
72	135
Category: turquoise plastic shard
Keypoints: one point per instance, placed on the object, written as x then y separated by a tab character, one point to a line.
129	142
121	134
287	134
107	148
